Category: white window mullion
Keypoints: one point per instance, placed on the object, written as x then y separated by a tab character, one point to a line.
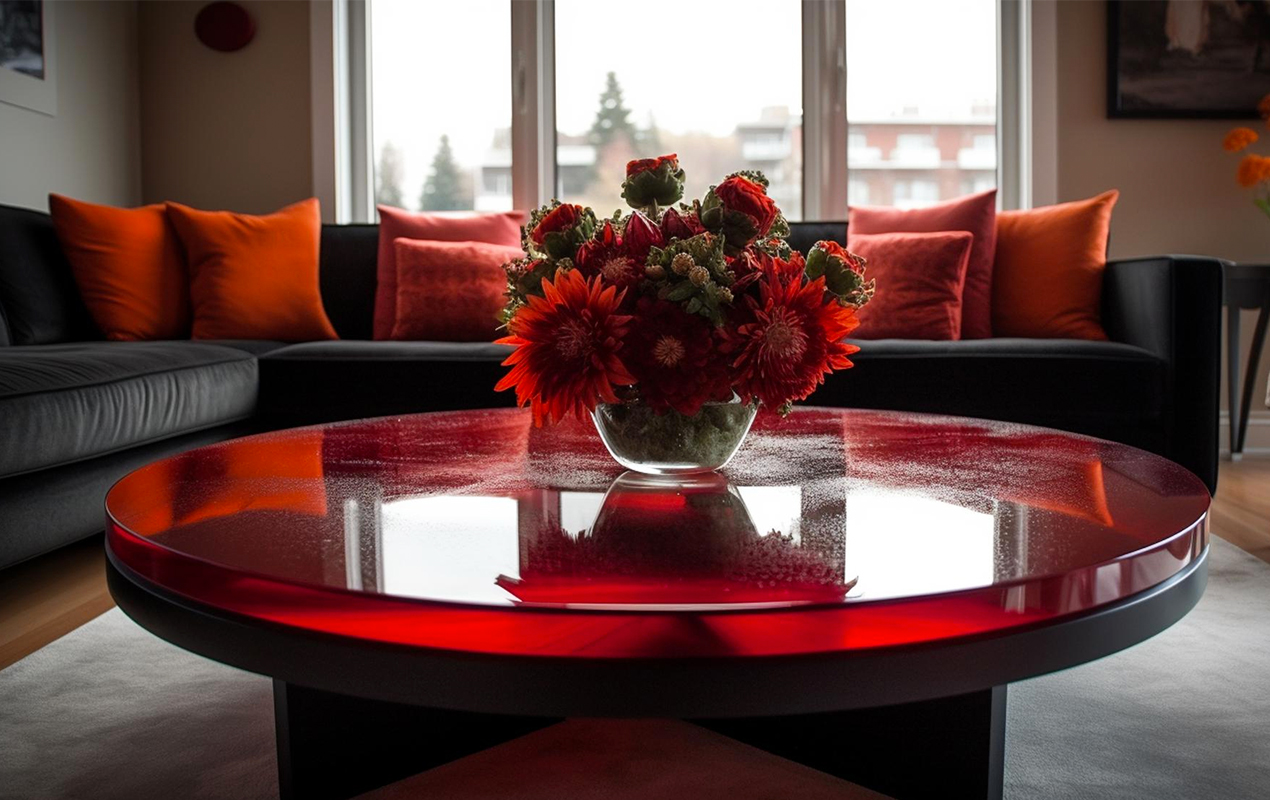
533	103
1027	98
359	202
824	35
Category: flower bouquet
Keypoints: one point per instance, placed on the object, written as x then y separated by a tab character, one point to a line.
671	324
1254	170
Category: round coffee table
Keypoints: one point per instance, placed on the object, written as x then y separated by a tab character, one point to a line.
854	593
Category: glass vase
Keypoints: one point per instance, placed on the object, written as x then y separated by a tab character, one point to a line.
671	443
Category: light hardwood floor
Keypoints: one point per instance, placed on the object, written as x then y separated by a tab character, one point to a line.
51	596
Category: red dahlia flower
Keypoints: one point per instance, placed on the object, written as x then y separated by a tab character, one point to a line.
567	342
788	339
608	257
674	356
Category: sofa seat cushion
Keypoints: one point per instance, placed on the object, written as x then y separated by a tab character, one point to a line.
67	402
325	381
1106	389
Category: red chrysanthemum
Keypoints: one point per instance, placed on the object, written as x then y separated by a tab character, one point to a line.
789	339
675	358
608	257
567	342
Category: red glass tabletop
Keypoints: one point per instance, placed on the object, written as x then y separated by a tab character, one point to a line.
831	531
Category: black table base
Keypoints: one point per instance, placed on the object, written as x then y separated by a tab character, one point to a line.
336	746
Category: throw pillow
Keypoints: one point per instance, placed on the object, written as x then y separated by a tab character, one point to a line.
920	277
129	268
450	291
975	214
254	277
1048	278
394	223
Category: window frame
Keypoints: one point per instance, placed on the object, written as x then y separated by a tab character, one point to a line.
342	119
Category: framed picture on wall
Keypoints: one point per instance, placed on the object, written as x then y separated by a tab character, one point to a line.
28	63
1187	59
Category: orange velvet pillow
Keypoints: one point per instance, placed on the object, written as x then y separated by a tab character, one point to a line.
450	291
129	268
254	277
920	277
976	214
1047	281
394	223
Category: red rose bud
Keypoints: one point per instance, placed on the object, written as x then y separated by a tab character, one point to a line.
652	182
641	236
739	193
679	225
561	230
843	272
561	218
649	164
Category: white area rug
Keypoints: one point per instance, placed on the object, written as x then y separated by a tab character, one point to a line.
110	711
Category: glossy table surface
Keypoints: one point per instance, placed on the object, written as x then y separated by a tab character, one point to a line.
832	531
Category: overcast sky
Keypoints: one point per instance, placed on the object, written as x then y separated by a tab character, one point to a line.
696	65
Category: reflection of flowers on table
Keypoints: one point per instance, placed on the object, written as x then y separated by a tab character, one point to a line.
666	541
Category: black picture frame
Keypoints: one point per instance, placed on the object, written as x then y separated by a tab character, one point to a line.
1211	86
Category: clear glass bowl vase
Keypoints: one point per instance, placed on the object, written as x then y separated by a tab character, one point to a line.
671	443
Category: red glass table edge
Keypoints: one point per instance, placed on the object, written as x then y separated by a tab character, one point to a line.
566	632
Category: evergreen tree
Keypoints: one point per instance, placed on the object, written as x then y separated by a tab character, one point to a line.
445	189
613	118
388	176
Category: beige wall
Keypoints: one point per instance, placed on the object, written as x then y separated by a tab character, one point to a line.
89	149
1177	186
226	130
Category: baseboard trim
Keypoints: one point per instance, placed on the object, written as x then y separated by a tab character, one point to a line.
1257	442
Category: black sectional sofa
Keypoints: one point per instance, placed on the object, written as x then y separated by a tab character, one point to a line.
76	412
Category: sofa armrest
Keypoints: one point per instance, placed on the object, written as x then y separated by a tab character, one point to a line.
1172	306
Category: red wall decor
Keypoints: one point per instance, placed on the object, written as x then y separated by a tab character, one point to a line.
224	26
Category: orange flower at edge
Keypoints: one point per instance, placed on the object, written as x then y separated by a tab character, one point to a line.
566	344
1253	169
1263	107
1238	139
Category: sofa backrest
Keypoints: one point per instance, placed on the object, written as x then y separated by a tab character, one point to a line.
802	235
39	303
347	278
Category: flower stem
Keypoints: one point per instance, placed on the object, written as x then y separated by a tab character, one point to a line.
1263	204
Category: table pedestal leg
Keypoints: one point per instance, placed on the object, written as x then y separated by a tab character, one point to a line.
950	747
1232	378
336	746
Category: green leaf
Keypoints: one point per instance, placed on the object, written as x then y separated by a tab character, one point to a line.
682	291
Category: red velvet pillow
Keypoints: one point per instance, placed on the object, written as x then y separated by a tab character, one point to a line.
449	291
394	223
920	277
976	214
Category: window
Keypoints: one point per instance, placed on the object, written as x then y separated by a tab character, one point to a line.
925	96
612	107
490	104
915	192
441	104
